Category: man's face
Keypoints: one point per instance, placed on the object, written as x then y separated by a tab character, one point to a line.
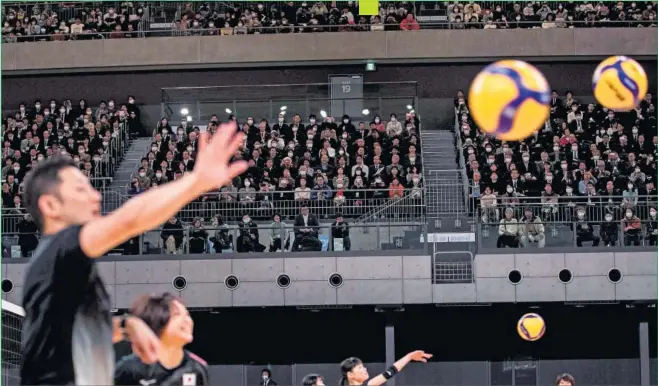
74	201
305	211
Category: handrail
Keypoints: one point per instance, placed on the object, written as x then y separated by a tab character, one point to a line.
406	82
462	162
341	28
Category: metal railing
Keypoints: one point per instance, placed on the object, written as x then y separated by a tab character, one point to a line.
575	233
281	237
145	32
563	208
266	101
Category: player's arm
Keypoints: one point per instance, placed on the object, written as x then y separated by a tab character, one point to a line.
419	356
157	205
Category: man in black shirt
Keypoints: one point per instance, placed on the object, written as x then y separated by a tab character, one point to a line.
68	332
169	319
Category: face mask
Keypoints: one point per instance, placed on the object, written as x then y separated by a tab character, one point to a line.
376	120
470	151
630	187
309	145
346	121
508	160
415	180
608	218
312	121
76	159
247	184
38	106
490	161
280	120
652	213
581	214
488	149
629	214
569	190
549	179
190	148
634	131
595	157
40	158
142	174
105	143
637	170
22	109
246	220
526	159
154	148
16	169
211	25
510	190
158	175
250	122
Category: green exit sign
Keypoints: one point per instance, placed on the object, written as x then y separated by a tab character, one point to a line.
370	66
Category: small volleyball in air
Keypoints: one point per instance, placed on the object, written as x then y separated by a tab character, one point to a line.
531	327
619	83
510	99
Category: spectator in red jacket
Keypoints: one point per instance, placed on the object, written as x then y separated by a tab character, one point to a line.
409	23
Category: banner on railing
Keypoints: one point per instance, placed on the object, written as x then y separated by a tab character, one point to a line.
465	237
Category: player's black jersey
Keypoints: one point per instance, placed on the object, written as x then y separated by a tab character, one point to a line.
67	332
132	371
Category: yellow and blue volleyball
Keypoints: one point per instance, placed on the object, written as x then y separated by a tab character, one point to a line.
619	83
531	327
510	99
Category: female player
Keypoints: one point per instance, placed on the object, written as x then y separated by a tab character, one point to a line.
313	380
354	373
169	319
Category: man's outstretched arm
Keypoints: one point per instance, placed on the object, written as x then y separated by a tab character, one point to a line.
154	207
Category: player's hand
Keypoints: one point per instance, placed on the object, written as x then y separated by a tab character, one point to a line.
213	167
144	342
419	356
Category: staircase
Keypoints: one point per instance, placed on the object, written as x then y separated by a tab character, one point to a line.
117	193
443	176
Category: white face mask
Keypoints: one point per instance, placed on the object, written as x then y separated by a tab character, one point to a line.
415	180
76	159
247	184
508	160
608	218
312	120
154	148
346	121
470	151
629	214
280	120
526	159
250	122
581	214
309	145
105	143
652	213
630	187
569	190
510	190
245	220
393	119
158	175
377	120
563	166
490	161
142	174
634	131
16	169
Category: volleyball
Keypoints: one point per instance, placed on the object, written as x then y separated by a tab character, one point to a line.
510	99
531	327
619	83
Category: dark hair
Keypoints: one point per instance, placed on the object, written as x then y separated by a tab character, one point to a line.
311	379
346	366
154	310
566	378
43	179
267	371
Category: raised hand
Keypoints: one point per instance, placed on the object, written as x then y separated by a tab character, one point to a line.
419	356
212	167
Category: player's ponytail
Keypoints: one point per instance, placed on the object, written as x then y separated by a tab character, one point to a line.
346	367
343	381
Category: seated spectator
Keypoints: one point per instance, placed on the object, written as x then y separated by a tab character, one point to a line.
652	227
278	235
173	235
198	237
508	231
632	228
248	238
584	229
307	228
609	231
531	230
340	233
222	240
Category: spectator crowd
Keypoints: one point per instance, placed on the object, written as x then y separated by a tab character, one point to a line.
95	138
299	170
52	21
551	14
588	168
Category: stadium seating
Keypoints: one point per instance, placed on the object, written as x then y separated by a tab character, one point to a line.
51	21
96	138
585	159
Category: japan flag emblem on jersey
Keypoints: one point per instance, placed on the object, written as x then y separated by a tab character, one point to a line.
189	379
